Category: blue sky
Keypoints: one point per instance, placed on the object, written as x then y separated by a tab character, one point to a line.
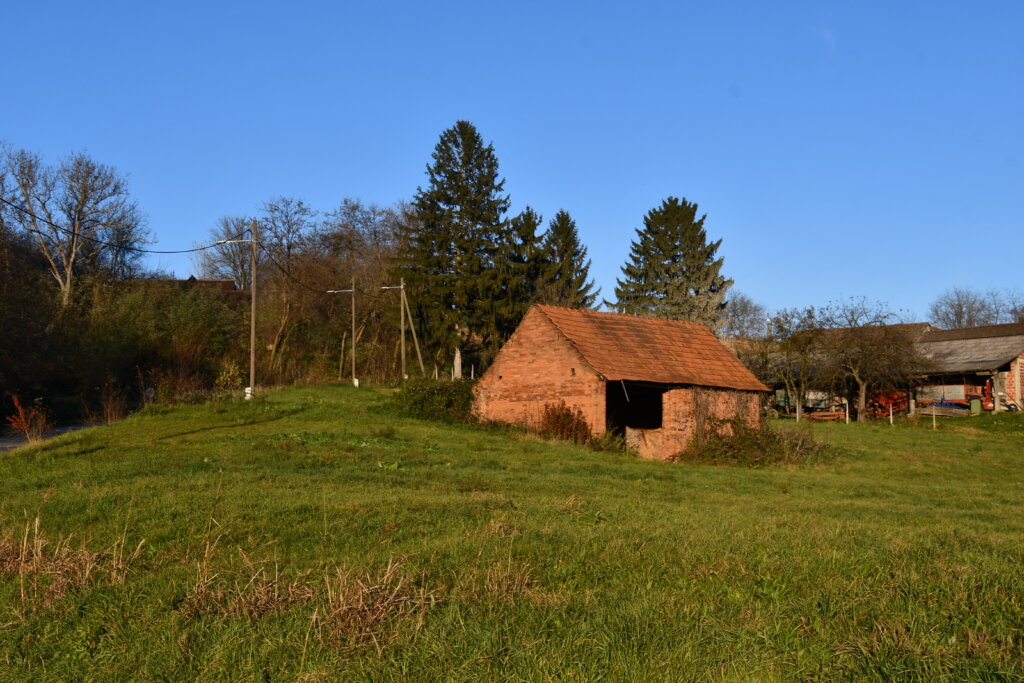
838	148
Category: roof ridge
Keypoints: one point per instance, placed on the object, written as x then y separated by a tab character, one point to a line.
633	316
978	332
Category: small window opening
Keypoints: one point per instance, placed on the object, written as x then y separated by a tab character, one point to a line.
572	371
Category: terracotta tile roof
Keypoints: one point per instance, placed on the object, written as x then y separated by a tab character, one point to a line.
629	347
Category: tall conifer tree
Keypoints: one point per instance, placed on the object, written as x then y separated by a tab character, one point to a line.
517	261
672	270
564	267
449	251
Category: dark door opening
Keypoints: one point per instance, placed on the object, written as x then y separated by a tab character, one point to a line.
631	404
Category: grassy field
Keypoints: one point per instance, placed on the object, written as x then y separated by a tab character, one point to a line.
315	535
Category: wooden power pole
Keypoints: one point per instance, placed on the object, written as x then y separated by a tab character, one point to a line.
346	291
252	313
354	380
401	311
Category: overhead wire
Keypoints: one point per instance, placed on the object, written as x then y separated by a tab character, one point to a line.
112	245
287	274
174	251
302	284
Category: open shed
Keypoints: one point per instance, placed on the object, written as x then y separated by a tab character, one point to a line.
975	356
650	379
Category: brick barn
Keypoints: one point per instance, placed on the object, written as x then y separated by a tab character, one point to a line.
646	378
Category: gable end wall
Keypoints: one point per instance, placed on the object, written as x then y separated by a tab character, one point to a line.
539	365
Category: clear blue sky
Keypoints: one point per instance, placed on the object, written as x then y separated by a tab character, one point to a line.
838	148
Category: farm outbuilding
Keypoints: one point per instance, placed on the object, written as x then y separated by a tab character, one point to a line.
987	359
648	378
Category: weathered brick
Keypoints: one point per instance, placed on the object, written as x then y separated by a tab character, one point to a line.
541	365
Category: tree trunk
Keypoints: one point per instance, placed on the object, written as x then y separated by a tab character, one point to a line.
862	401
341	355
280	332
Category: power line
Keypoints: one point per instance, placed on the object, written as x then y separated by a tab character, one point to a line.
291	277
302	284
126	247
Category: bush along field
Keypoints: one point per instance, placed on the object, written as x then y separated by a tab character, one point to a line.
318	534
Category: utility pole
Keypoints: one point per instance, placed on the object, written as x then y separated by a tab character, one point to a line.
416	343
401	311
355	381
252	314
250	390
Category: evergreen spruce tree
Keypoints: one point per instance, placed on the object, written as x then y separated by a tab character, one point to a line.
672	270
450	247
515	272
564	266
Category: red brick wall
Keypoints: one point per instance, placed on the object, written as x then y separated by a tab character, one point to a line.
537	366
1012	391
678	415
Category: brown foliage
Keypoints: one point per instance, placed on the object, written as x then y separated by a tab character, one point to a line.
559	421
47	569
32	421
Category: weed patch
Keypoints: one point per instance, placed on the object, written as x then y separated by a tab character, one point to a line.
735	442
49	569
361	609
559	421
435	400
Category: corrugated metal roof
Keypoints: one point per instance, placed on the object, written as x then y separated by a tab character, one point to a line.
973	349
984	332
628	347
971	354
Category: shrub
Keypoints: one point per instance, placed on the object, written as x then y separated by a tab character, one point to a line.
113	402
231	377
32	421
610	441
559	421
436	400
735	442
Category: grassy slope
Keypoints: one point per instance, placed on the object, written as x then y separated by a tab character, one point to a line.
902	558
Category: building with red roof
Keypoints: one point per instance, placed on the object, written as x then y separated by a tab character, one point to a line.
650	379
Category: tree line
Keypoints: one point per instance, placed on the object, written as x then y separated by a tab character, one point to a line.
85	317
853	348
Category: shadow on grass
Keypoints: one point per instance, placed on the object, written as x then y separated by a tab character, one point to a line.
211	428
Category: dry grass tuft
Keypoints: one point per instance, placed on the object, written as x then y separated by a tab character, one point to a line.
504	529
47	570
361	610
251	598
574	503
503	582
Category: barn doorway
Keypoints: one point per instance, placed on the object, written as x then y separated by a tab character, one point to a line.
635	405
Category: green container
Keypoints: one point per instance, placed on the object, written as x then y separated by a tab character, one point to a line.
975	406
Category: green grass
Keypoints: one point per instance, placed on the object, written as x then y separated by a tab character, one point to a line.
315	535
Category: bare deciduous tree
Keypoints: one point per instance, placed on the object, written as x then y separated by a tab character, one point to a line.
79	214
863	350
743	317
284	227
230	261
960	307
793	356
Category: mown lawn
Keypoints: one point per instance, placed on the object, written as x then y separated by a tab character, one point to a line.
315	535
